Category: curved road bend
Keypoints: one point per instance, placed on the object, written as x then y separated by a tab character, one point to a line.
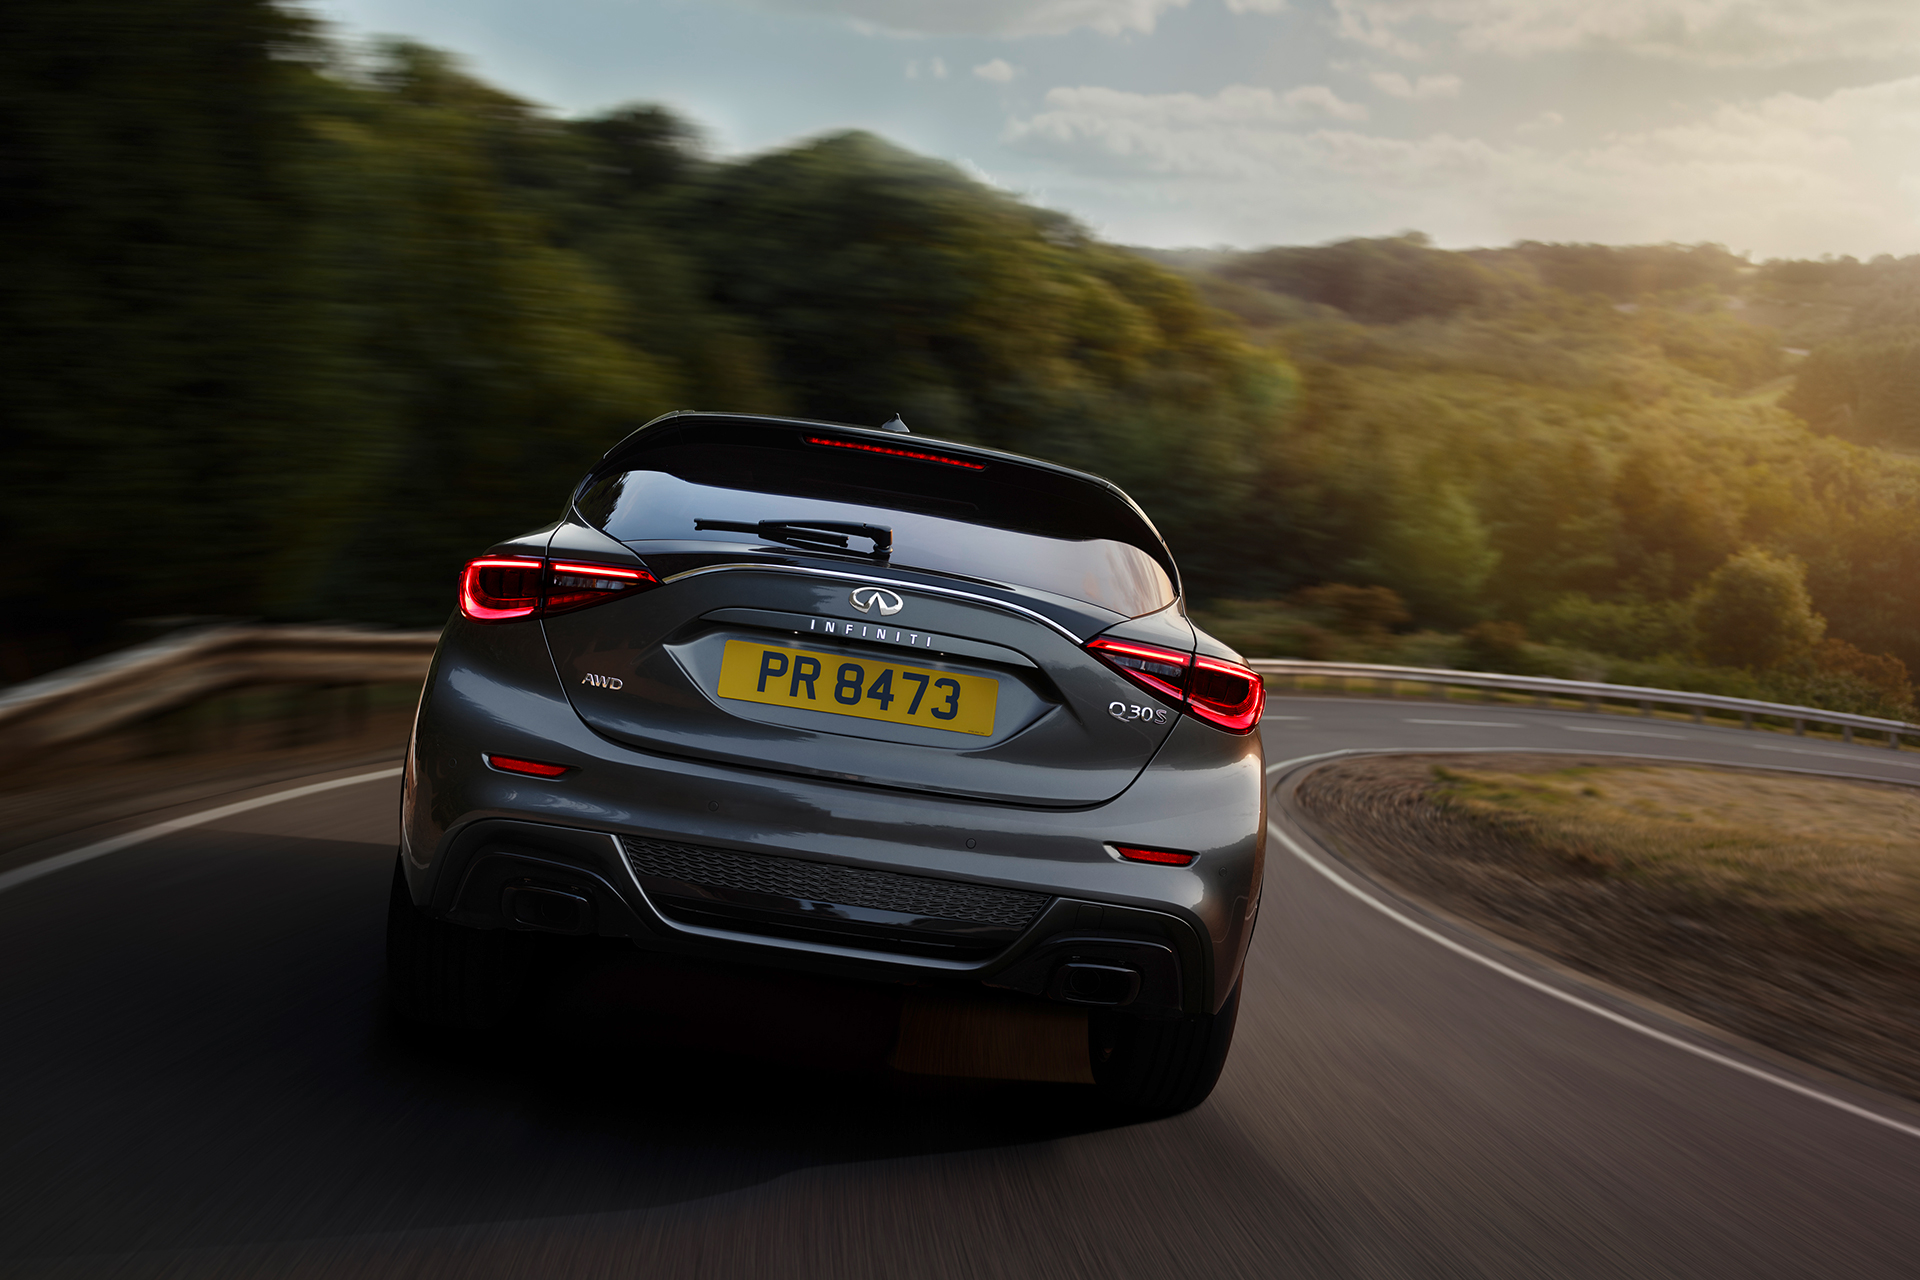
199	1080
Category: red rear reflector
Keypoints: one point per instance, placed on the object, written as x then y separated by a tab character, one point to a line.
532	768
505	588
915	454
1164	857
1224	694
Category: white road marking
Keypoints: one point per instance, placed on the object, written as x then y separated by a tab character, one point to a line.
113	844
1478	724
1625	733
1747	1069
1854	756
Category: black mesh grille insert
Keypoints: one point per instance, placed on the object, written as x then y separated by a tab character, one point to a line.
828	882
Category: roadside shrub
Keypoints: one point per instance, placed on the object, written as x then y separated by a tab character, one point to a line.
1754	612
1497	646
1622	628
1368	613
1883	672
1267	629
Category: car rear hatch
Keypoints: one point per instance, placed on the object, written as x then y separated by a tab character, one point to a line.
940	650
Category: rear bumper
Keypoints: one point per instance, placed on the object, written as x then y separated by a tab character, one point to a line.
493	850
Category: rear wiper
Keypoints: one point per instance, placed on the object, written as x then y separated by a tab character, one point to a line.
808	533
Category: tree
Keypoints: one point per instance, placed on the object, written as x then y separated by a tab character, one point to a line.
157	306
1435	552
1864	387
1754	611
1379	281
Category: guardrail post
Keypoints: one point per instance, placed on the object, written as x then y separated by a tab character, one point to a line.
1846	733
1799	727
1746	719
1593	705
1646	708
1893	739
1543	699
1699	717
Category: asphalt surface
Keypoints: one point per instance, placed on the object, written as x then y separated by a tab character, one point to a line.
197	1078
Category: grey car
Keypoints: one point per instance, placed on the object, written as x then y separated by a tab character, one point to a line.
849	701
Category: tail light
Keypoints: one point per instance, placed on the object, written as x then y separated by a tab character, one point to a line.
1224	694
500	590
575	586
503	588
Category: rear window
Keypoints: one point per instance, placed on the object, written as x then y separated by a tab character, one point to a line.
991	519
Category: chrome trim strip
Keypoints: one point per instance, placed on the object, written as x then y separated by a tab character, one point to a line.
793	944
865	577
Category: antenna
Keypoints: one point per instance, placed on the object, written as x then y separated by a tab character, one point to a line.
896	423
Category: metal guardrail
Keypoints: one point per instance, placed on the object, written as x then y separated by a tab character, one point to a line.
125	688
122	689
1592	693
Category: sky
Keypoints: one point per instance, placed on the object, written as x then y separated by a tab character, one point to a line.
1780	128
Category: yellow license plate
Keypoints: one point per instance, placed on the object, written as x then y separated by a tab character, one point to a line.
869	688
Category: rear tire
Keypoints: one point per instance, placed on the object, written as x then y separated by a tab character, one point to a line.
447	975
1148	1067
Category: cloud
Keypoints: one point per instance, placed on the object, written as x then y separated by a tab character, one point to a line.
997	17
1256	6
1223	136
1783	174
936	67
1709	32
1541	123
998	69
1395	85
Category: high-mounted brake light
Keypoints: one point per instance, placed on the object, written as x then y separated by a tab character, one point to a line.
531	768
503	589
915	454
1164	857
1224	694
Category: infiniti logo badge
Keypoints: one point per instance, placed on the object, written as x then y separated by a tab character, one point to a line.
866	598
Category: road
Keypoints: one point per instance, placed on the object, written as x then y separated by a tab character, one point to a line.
199	1080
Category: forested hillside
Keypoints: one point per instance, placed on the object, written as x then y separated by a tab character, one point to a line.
290	333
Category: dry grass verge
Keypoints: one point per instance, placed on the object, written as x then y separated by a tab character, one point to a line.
1782	907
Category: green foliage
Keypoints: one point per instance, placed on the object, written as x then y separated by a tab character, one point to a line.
1497	646
154	371
303	331
1622	628
1754	611
1375	281
1367	613
1432	548
1622	274
1270	629
1713	344
1332	621
1863	387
